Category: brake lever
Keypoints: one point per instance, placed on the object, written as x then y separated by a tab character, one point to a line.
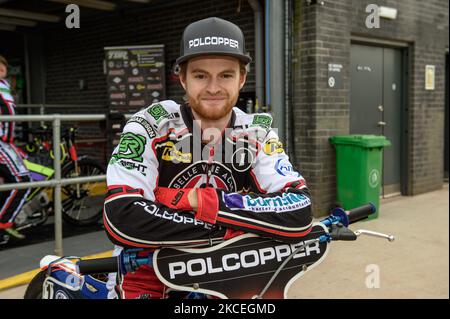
359	232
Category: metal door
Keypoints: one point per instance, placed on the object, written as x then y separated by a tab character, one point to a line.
376	104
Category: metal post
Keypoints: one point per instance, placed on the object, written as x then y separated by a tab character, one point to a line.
41	112
57	189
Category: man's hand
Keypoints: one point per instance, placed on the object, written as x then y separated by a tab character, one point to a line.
192	197
203	202
176	198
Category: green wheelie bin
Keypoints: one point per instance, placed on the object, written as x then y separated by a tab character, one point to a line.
359	169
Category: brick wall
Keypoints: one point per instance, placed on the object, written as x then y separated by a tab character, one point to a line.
322	36
321	112
425	26
74	54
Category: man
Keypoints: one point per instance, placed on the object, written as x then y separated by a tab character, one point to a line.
199	173
12	168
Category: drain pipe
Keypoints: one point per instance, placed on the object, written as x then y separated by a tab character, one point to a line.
259	54
267	56
275	65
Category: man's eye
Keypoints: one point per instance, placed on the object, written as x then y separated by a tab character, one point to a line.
199	76
227	76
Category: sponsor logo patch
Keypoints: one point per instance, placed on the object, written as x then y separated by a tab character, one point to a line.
129	165
285	202
150	131
263	121
199	42
131	146
171	154
158	112
273	146
284	168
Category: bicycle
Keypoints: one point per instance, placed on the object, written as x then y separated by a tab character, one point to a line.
82	203
263	266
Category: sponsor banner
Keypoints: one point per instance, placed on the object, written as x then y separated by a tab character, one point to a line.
280	203
141	71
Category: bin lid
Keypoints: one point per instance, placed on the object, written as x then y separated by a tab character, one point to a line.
364	141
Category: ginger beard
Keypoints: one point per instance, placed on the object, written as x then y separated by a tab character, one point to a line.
212	85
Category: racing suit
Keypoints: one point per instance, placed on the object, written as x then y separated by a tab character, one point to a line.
246	180
12	168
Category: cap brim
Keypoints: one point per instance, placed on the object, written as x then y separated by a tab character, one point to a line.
244	58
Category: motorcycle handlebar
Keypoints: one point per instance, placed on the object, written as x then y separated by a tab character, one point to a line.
97	266
361	212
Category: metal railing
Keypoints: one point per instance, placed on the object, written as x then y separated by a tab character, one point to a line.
56	181
43	106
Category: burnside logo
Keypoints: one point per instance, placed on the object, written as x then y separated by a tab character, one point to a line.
235	261
214	41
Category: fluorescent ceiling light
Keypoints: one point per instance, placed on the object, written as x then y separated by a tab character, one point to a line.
6	27
139	1
29	15
388	13
18	22
93	4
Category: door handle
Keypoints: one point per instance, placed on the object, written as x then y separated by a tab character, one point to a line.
381	123
381	108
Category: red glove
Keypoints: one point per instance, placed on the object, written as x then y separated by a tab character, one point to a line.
207	200
173	198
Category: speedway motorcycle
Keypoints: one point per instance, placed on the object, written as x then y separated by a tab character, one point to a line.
265	267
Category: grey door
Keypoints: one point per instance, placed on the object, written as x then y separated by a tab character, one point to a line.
376	104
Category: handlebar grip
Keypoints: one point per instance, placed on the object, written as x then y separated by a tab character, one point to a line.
361	212
99	265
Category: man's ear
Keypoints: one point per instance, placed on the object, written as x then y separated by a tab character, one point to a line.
242	79
183	81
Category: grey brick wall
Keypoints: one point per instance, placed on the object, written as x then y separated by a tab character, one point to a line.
323	35
74	54
425	26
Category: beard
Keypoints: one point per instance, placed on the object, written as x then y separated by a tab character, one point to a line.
212	110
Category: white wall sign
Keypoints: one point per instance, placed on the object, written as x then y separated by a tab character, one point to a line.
429	77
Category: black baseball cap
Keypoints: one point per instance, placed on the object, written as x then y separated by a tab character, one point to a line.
213	36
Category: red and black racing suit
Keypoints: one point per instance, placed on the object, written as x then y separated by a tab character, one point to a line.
12	168
248	185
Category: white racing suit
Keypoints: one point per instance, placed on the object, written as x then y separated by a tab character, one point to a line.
245	183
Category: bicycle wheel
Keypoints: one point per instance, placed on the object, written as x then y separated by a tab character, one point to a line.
82	204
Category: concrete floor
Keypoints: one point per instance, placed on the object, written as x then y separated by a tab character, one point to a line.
415	265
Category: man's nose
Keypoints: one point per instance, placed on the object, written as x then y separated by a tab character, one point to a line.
213	86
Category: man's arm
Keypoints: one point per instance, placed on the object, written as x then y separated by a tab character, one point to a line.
6	108
280	208
131	215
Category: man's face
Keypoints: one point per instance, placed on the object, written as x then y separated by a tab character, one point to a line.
3	71
212	85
